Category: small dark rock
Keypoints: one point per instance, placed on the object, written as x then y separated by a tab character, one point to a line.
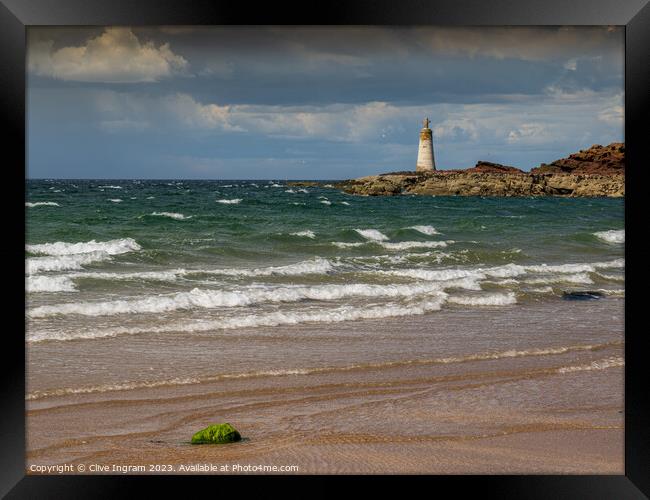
582	295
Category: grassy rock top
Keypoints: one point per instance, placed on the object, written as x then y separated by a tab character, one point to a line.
217	434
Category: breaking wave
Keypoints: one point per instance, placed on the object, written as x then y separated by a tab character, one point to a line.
372	234
111	247
63	256
428	230
172	215
306	234
612	236
198	298
601	364
42	204
49	284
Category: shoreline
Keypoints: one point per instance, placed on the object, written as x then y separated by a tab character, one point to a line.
557	412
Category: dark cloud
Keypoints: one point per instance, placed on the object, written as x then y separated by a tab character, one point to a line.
314	102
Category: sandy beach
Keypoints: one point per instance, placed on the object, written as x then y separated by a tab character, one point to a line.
545	397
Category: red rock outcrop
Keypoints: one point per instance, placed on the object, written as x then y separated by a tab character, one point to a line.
597	160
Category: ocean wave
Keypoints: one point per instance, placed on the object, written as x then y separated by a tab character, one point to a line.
345	203
612	236
316	265
572	273
343	244
111	247
307	234
234	201
172	215
333	315
579	279
110	187
63	256
372	234
495	299
42	204
312	266
436	274
36	265
428	230
36	284
406	245
601	364
208	299
611	277
326	202
115	200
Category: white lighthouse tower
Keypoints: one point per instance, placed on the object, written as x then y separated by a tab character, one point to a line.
426	162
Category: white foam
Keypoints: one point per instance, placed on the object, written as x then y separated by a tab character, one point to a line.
312	266
601	364
343	244
172	215
495	299
372	234
436	274
49	284
303	190
198	298
326	202
428	230
150	197
110	187
406	245
111	247
612	236
334	315
36	265
612	277
307	234
344	203
579	278
290	191
115	200
42	204
63	256
317	265
234	201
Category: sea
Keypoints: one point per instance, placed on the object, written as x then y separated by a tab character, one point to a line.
146	283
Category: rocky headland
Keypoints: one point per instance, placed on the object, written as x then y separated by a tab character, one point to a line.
594	172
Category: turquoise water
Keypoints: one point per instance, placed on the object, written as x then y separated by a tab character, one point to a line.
106	258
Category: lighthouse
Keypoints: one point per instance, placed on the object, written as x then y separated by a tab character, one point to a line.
426	162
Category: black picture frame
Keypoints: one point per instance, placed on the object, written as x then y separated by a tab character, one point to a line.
16	15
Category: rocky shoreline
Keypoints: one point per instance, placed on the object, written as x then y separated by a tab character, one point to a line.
595	172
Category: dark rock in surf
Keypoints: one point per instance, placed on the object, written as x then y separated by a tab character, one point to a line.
582	295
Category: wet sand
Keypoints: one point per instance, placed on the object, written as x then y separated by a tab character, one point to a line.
532	388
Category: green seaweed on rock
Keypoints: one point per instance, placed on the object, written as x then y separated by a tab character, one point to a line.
217	434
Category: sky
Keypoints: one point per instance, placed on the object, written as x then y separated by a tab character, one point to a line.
174	102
